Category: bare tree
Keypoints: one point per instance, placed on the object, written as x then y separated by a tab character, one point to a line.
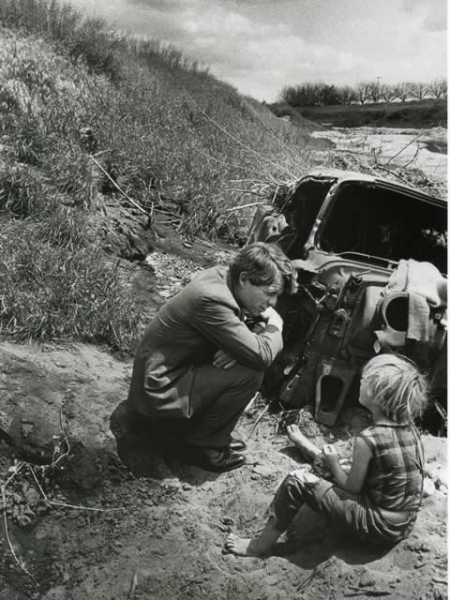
288	95
347	94
321	94
362	91
329	95
387	93
374	91
403	91
419	90
438	88
306	94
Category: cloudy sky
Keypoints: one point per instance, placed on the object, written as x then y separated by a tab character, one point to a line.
259	46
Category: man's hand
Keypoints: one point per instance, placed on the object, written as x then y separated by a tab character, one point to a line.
291	283
259	327
222	360
271	317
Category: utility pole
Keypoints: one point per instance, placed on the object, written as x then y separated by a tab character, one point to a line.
378	87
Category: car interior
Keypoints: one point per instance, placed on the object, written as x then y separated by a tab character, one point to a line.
383	223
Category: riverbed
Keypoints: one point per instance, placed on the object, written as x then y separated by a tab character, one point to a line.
425	149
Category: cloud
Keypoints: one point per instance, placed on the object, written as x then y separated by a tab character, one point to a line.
259	46
436	21
273	62
410	5
247	54
433	14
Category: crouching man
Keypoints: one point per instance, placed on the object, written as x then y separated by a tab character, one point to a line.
199	364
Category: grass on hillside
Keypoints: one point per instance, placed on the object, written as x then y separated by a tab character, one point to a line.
51	293
172	136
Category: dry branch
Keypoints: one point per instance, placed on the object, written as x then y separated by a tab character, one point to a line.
244	205
235	139
403	149
32	468
258	420
136	204
15	471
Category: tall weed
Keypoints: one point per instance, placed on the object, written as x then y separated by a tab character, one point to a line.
21	189
52	293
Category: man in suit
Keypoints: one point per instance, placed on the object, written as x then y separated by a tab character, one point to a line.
200	363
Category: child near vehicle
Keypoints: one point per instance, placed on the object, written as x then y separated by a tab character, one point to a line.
380	496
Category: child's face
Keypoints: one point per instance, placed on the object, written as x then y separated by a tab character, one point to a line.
365	395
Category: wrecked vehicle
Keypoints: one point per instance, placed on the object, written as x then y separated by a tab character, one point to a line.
371	257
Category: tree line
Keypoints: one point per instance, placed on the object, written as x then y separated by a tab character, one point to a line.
322	94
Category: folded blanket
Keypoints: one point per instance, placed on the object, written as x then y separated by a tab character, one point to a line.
421	278
418	318
426	289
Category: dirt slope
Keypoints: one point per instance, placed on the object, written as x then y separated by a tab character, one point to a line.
160	536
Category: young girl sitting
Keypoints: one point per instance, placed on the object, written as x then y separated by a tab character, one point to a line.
380	496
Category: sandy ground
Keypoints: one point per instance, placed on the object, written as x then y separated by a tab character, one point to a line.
422	149
160	535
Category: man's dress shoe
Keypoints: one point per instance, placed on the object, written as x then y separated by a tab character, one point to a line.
217	460
237	445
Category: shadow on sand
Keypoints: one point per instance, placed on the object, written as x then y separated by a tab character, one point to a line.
150	448
161	457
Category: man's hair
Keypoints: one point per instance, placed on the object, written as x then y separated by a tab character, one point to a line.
397	386
263	262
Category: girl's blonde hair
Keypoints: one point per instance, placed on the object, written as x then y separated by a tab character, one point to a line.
397	386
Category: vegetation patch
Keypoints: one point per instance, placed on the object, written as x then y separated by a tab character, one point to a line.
53	292
424	113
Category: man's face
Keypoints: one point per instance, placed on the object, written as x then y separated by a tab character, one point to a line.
257	298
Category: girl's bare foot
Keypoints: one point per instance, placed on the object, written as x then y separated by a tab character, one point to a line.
302	443
245	547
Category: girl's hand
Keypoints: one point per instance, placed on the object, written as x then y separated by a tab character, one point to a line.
329	457
292	431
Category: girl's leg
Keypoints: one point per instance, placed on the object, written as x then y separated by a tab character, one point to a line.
288	500
327	499
259	546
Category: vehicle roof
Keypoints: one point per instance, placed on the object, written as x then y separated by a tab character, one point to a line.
354	176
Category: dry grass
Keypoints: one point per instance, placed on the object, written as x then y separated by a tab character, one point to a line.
49	291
